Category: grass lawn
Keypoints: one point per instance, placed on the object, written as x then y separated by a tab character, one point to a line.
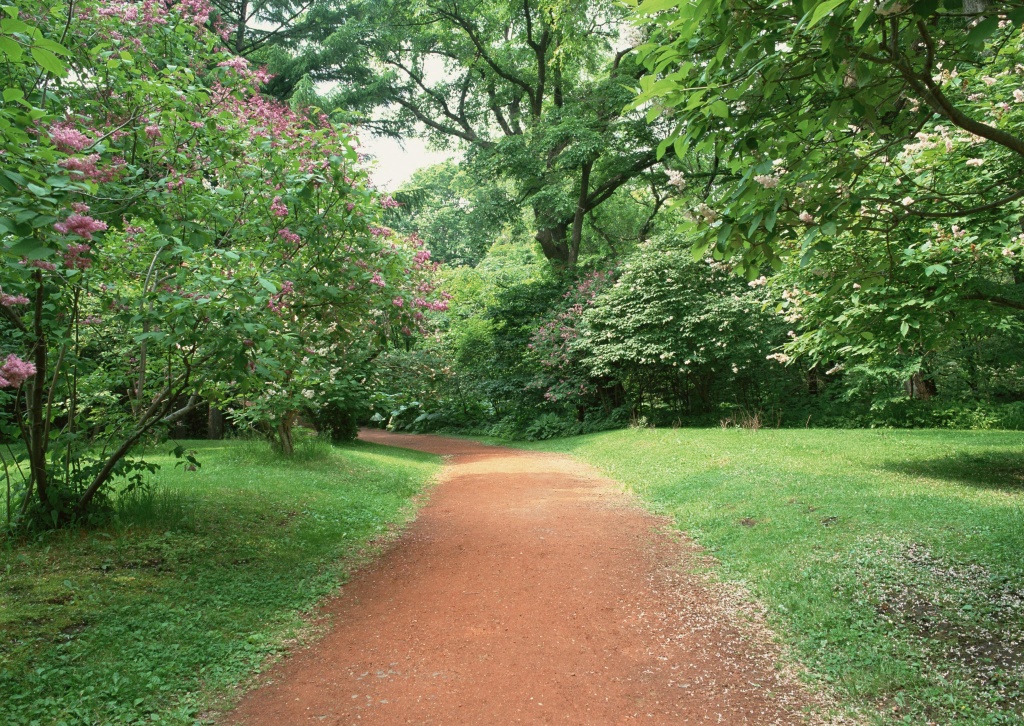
893	561
156	618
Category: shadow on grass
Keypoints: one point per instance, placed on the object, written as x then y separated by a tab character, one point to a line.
1002	470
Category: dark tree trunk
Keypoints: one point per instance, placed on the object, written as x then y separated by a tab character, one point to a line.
919	387
284	433
554	241
214	423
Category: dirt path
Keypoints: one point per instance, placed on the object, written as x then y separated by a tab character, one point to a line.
529	590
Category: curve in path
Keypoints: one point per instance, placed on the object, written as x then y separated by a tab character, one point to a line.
529	590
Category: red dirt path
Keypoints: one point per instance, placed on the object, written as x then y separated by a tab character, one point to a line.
528	590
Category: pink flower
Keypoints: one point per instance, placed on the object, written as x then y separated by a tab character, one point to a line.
14	372
377	279
398	302
68	139
152	131
278	208
80	207
43	265
288	236
80	224
73	257
389	203
8	300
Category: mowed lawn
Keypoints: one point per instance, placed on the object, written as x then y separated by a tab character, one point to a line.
893	561
157	617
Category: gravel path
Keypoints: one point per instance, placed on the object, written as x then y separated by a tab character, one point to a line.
529	590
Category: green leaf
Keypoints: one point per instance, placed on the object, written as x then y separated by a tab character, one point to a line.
268	286
822	10
48	61
11	48
982	30
720	108
904	328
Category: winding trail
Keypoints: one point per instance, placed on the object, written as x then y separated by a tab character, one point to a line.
529	590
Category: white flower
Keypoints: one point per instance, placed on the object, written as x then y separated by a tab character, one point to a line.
768	182
675	179
975	162
780	357
856	286
806	217
1018	95
835	369
762	280
1007	252
907	201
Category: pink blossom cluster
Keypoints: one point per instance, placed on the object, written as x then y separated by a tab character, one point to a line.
81	224
278	208
74	257
88	167
288	236
67	138
15	371
398	302
277	303
8	300
389	202
377	280
380	232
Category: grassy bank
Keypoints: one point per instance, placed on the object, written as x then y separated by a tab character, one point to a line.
157	617
891	560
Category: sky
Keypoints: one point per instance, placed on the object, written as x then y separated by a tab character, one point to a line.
395	161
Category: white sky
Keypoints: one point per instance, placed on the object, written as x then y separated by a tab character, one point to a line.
395	161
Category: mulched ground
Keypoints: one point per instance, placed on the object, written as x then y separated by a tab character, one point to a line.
530	590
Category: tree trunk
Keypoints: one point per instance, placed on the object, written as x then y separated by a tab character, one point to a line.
284	433
554	241
214	423
919	387
37	386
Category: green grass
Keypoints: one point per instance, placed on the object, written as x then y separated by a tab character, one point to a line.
893	561
157	618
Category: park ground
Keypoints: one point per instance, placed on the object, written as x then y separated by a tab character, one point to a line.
885	562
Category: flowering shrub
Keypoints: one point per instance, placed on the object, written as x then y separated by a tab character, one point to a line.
171	236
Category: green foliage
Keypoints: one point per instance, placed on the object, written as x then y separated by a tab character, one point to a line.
682	335
195	586
872	154
890	560
533	92
458	215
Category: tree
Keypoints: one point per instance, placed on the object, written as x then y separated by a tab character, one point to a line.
458	215
168	235
881	145
534	91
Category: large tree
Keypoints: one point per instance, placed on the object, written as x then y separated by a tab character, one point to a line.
533	91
